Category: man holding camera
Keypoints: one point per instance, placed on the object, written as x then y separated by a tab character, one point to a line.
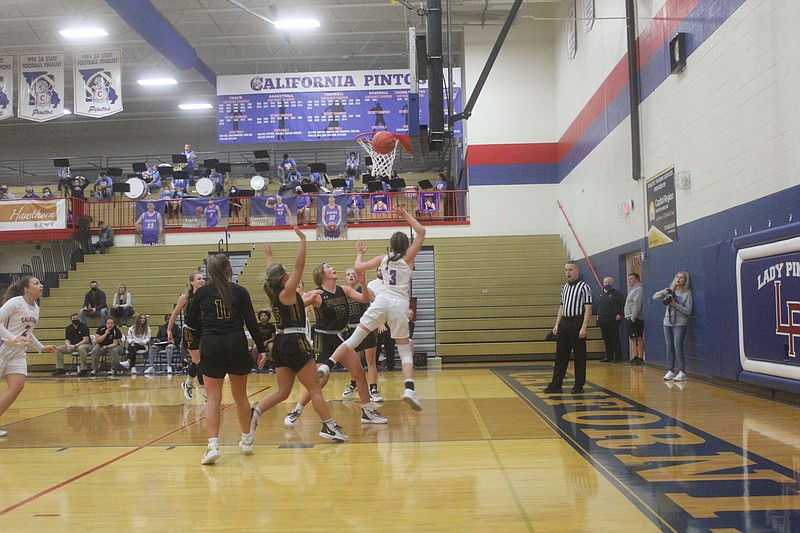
610	309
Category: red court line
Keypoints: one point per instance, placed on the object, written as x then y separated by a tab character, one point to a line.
112	461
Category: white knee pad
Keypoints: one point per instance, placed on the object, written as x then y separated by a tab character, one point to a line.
405	354
356	338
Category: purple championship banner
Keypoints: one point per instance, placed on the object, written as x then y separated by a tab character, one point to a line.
768	280
316	106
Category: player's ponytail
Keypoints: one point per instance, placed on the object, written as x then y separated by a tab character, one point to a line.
272	282
17	289
398	245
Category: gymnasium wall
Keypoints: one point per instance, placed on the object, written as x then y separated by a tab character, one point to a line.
730	119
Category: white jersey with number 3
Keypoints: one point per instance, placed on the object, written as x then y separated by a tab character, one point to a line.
396	277
17	318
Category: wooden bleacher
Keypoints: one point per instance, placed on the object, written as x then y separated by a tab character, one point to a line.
496	298
154	275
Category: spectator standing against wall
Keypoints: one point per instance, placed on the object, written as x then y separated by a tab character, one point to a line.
634	316
572	324
610	310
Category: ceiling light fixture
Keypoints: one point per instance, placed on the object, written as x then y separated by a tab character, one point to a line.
82	33
187	107
296	24
157	81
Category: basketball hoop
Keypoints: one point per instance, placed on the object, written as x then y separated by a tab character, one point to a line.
382	163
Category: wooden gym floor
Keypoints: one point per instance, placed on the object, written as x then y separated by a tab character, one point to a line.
489	452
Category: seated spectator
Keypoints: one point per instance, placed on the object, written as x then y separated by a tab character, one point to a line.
46	192
153	178
317	178
104	239
352	163
180	184
107	341
268	334
294	175
161	340
355	203
103	188
441	182
76	187
288	187
285	166
138	339
235	200
94	304
76	337
303	205
122	305
219	182
173	197
5	194
349	183
307	184
29	192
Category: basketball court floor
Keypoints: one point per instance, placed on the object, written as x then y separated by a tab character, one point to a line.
489	452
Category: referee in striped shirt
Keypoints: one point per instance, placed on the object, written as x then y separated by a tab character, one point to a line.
570	329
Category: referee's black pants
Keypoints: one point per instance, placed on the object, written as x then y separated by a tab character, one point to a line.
567	341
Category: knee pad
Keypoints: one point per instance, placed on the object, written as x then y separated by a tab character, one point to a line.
405	354
356	338
192	370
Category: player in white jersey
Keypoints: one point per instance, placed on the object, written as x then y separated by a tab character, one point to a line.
18	316
390	305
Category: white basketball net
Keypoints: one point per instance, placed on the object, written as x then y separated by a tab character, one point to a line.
382	164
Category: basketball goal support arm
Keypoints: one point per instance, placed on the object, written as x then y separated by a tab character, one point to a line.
487	68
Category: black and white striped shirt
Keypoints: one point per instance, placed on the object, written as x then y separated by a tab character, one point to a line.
574	298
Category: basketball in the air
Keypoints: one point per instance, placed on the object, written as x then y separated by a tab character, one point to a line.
199	210
270	202
383	142
139	228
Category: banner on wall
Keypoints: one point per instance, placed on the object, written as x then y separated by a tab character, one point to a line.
26	215
208	212
41	86
769	290
331	217
6	87
662	219
97	78
315	106
272	210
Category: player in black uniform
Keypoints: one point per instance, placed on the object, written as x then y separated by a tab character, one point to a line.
191	341
222	308
332	309
368	345
291	352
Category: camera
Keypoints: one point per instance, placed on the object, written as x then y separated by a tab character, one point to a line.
669	298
